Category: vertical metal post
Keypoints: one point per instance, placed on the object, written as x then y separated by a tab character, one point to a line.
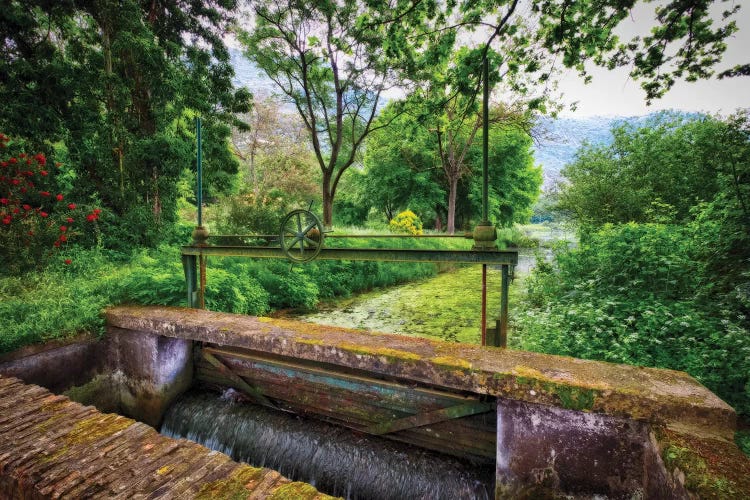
485	143
484	304
504	290
189	266
199	191
202	289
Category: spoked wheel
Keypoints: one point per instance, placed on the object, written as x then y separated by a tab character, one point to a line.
301	236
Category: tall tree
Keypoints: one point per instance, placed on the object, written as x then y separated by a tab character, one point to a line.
127	77
333	61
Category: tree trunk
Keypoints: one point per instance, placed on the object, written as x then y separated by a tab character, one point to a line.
327	201
453	188
438	222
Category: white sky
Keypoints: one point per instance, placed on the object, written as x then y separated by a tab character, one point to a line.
613	93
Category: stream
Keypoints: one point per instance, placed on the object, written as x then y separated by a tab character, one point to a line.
445	307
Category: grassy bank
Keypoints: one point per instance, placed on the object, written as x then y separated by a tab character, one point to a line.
67	299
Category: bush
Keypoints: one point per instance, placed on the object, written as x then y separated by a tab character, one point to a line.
36	219
634	294
406	222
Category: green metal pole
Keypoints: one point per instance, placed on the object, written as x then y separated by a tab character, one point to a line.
485	142
199	193
189	265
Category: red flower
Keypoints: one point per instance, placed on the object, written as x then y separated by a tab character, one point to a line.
63	228
15	182
41	159
72	206
7	219
43	214
59	197
43	173
97	211
16	210
28	162
22	155
27	207
4	201
44	193
91	217
67	262
69	220
13	161
4	164
23	190
63	237
57	244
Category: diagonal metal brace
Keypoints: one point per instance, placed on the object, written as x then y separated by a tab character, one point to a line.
431	417
251	391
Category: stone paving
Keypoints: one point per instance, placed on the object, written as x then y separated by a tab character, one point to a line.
51	447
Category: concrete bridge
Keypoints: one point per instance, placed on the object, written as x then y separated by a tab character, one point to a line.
552	425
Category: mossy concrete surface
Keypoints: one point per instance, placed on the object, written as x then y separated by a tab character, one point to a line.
707	467
646	394
51	447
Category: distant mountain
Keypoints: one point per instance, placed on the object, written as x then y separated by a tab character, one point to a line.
558	139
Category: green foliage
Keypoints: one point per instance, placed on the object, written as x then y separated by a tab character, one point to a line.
115	86
637	294
655	171
403	170
742	438
45	305
406	222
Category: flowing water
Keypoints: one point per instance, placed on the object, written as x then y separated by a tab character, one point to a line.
335	460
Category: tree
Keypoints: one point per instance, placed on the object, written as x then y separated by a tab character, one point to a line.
655	171
119	83
402	168
333	61
275	155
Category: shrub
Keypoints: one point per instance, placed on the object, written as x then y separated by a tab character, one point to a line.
633	293
406	222
36	220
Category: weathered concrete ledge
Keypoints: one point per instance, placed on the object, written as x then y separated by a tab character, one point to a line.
51	447
650	395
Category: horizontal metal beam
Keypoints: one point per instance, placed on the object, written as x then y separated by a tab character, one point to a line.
429	418
493	257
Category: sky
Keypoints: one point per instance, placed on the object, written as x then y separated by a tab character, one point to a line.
613	93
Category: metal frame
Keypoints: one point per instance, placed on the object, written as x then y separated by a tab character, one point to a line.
196	278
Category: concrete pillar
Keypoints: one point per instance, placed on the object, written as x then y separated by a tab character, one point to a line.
544	450
151	372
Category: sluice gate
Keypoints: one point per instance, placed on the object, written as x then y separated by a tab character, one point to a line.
551	424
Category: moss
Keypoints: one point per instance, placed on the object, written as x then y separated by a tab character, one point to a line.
94	428
386	352
164	470
229	489
310	341
713	469
294	491
451	362
575	398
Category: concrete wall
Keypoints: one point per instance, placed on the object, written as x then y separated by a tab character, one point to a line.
136	374
57	365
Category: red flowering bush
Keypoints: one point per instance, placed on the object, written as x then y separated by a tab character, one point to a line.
35	220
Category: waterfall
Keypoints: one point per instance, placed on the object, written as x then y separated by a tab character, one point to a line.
335	460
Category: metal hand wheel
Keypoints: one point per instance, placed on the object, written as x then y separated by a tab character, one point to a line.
301	236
